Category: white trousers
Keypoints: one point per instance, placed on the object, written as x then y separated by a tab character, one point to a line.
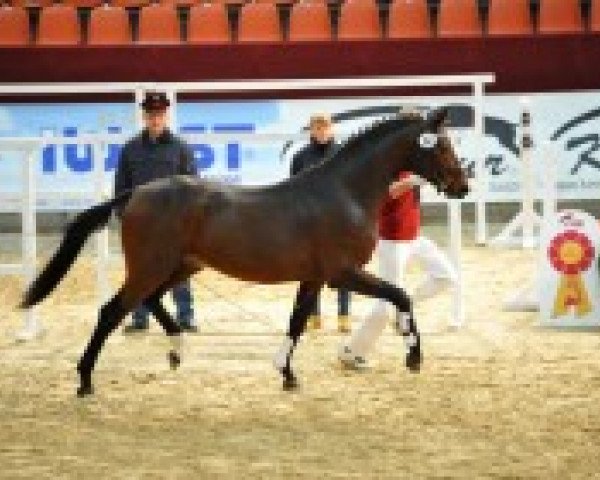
393	257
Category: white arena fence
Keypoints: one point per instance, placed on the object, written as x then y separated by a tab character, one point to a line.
30	148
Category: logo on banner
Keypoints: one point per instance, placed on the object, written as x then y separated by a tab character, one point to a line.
577	139
461	116
571	253
78	159
589	142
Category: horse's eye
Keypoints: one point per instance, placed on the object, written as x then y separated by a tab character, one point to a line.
428	140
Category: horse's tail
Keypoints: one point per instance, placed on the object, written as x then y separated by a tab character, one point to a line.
78	231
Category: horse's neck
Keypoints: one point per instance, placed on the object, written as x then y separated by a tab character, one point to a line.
368	175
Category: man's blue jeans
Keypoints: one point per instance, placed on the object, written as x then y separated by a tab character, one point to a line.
182	296
343	303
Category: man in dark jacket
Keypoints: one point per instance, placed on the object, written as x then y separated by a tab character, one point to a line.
322	144
156	153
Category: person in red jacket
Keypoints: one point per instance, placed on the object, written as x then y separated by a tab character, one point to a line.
400	240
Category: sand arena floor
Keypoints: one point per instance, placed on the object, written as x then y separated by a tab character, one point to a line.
500	398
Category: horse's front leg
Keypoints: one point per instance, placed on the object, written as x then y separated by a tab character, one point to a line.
304	304
366	284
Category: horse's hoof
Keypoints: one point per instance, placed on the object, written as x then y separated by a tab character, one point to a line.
290	384
85	383
416	368
413	361
85	390
174	359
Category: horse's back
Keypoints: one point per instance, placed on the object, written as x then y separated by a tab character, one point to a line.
288	231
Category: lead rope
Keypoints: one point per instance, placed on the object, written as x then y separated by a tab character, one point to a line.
241	309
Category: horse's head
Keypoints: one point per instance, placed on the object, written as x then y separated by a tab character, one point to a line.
435	159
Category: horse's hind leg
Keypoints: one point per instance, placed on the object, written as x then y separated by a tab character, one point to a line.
366	284
137	287
111	314
166	321
304	304
171	327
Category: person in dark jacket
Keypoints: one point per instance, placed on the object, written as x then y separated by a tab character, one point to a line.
322	144
156	153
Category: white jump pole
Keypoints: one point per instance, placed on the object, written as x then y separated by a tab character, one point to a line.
549	202
31	327
528	181
172	97
527	297
102	237
481	180
139	116
527	219
455	219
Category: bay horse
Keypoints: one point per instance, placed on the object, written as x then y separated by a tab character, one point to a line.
318	228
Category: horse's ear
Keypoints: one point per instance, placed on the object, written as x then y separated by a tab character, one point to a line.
438	118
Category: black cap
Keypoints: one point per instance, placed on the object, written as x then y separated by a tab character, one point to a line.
155	101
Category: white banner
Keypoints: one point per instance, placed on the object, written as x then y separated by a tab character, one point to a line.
568	121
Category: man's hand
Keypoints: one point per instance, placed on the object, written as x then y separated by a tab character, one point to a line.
404	184
399	187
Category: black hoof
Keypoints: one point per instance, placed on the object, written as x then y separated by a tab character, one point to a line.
290	384
85	390
85	383
414	360
174	359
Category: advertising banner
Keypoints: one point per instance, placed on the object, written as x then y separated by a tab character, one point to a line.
570	122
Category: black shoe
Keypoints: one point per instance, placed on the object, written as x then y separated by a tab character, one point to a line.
135	327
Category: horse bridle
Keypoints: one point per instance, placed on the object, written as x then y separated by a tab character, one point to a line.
428	141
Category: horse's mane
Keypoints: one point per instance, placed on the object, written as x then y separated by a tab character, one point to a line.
374	133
